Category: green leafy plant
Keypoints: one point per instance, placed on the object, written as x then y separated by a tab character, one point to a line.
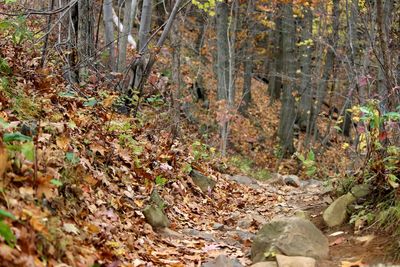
5	230
160	180
308	162
18	29
17	142
202	151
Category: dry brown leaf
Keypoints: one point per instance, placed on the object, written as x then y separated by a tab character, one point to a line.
358	263
63	142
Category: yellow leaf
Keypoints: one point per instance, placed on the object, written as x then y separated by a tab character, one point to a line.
63	142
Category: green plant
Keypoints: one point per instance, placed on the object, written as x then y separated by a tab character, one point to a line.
202	151
308	162
5	230
17	28
17	142
160	180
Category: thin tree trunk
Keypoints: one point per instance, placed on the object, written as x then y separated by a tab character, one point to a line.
328	67
275	73
176	78
123	42
248	59
145	24
109	32
85	36
223	67
305	107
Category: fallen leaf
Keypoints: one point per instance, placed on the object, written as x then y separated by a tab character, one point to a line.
337	233
364	240
338	241
63	142
3	159
70	228
358	263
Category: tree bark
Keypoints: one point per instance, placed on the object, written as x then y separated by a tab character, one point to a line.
287	113
85	37
109	32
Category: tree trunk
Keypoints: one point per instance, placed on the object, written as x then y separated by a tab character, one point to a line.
328	67
85	37
248	59
145	24
176	79
223	66
275	72
123	42
109	32
305	107
287	113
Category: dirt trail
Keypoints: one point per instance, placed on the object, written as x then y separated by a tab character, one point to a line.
231	231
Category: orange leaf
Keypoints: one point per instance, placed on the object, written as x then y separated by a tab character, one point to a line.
358	263
3	159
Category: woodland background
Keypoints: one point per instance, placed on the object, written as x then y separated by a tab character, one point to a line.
104	100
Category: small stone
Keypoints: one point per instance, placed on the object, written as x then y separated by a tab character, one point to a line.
222	261
245	180
155	216
203	235
285	261
302	214
336	213
218	226
205	183
360	190
265	264
292	180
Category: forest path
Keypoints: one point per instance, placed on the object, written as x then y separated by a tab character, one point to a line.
230	232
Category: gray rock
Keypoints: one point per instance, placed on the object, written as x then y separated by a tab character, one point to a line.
302	214
265	264
155	216
360	190
203	235
289	236
222	261
218	226
241	179
336	213
245	222
243	235
285	261
156	199
205	183
292	180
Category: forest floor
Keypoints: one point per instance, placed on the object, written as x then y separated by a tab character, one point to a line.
79	200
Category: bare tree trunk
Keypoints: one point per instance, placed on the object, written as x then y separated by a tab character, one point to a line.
85	37
287	113
232	52
223	67
248	59
275	75
328	67
123	42
109	32
145	24
385	62
176	79
305	106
